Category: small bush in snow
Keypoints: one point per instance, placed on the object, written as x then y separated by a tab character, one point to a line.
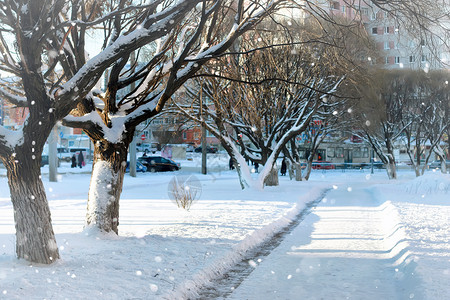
184	190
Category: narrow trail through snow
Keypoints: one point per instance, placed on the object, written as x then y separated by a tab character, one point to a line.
222	287
350	238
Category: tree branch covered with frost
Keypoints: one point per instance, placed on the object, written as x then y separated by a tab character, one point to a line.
163	66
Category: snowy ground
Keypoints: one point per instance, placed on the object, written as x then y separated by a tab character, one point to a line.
367	239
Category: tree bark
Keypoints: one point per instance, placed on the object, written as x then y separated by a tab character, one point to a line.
309	166
35	239
272	178
106	185
391	168
298	172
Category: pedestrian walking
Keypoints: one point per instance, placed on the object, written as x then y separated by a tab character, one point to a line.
230	164
283	167
80	159
256	167
74	161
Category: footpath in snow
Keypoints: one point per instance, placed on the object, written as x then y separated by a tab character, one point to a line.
351	246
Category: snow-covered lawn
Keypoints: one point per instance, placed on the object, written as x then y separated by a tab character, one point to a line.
167	252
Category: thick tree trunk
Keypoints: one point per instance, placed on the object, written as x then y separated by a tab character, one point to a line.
272	178
391	168
417	170
309	166
106	186
298	172
443	166
35	239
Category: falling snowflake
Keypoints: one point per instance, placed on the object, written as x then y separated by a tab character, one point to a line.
153	288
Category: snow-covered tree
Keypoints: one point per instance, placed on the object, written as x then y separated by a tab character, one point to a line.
380	114
257	102
207	31
43	48
424	120
406	108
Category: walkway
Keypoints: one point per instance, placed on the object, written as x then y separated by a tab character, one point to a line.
351	246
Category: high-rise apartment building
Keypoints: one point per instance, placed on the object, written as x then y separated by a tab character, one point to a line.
401	44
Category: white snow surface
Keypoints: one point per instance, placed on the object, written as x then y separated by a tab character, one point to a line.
369	238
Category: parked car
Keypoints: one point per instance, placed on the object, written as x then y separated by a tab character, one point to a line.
323	165
209	149
190	148
158	164
44	160
139	167
437	164
64	154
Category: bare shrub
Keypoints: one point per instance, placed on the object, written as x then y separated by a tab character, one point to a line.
184	190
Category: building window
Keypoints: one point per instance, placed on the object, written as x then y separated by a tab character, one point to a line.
365	11
365	152
424	58
373	16
330	152
374	30
357	153
422	43
343	9
184	135
386	45
412	58
386	60
386	30
397	60
339	152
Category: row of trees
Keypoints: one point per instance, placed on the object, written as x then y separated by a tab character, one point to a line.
271	106
271	95
407	108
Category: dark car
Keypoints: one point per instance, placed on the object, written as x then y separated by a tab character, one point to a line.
139	167
158	164
44	160
209	149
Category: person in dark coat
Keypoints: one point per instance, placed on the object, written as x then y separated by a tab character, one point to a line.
74	161
230	164
256	167
80	159
283	167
